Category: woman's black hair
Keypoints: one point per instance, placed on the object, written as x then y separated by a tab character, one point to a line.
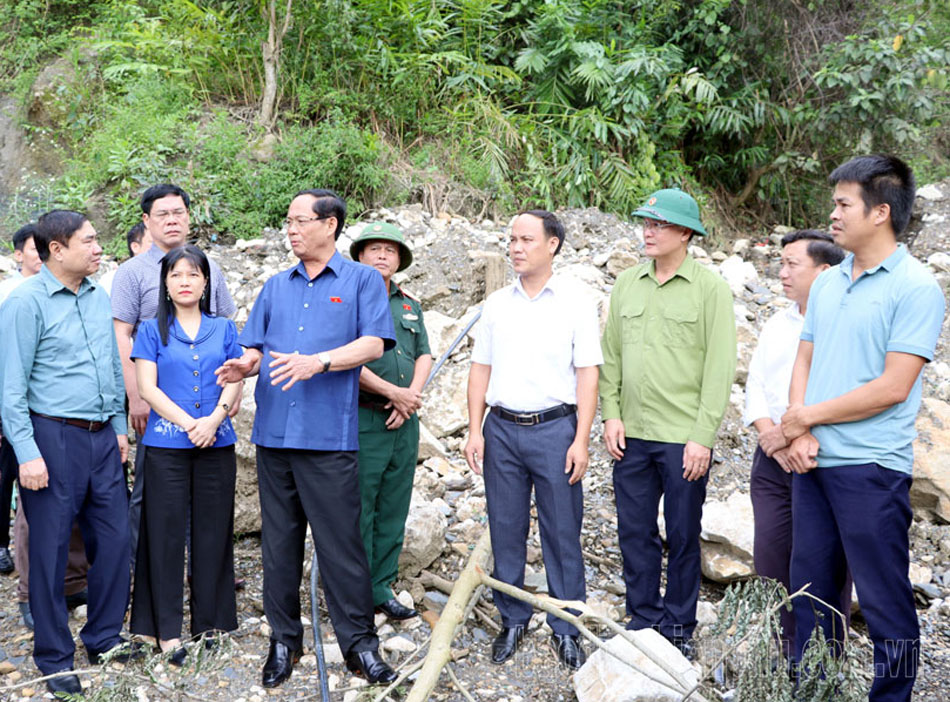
166	308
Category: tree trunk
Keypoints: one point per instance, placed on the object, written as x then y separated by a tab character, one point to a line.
270	50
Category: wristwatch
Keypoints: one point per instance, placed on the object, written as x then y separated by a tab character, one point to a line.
324	358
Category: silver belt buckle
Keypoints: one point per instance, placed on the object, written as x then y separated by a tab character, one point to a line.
528	420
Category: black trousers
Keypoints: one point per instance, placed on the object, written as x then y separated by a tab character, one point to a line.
9	469
174	480
322	488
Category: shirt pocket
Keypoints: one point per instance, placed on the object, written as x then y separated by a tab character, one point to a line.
680	326
632	319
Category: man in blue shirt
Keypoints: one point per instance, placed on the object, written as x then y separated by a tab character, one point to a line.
311	329
63	413
872	323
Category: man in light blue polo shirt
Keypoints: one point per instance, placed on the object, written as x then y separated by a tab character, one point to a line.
871	325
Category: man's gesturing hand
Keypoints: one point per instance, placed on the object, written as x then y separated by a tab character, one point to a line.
288	368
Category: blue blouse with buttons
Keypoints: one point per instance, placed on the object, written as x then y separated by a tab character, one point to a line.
186	374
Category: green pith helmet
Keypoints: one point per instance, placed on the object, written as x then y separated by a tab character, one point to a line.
674	206
386	232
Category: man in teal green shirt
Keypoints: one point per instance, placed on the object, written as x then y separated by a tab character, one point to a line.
390	395
669	360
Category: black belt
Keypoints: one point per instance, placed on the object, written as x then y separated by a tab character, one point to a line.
528	419
86	424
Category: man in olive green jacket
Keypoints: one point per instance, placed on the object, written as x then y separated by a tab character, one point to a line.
669	361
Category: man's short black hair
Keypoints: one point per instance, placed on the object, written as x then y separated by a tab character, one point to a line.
327	204
56	225
23	235
135	235
884	180
552	226
156	192
821	246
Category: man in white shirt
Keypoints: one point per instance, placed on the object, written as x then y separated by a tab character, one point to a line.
805	254
535	365
27	260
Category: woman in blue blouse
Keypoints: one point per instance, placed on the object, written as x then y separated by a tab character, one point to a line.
190	465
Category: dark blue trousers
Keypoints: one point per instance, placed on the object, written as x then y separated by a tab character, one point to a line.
647	471
862	514
770	488
85	485
517	458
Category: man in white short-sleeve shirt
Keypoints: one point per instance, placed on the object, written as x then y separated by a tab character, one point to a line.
535	367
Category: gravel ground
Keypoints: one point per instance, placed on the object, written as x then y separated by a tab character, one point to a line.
233	672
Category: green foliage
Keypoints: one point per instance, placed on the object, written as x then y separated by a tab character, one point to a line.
749	621
537	102
243	196
33	30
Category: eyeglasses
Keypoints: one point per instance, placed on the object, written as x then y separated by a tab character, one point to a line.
165	214
300	221
657	225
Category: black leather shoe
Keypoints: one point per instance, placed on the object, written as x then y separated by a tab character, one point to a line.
393	609
370	665
26	615
68	684
506	643
176	657
6	563
279	665
568	650
128	651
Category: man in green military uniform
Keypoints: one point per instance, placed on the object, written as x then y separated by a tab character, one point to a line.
390	394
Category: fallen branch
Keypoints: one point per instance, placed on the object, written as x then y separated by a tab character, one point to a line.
458	684
558	609
144	679
440	648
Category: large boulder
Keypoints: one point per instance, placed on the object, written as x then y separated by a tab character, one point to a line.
425	537
737	273
247	506
603	678
930	491
445	405
726	539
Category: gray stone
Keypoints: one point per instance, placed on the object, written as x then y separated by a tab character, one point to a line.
726	538
424	538
603	678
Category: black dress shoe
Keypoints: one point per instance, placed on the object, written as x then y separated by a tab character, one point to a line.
68	684
393	609
26	615
128	651
176	657
568	650
506	643
369	665
6	563
279	665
